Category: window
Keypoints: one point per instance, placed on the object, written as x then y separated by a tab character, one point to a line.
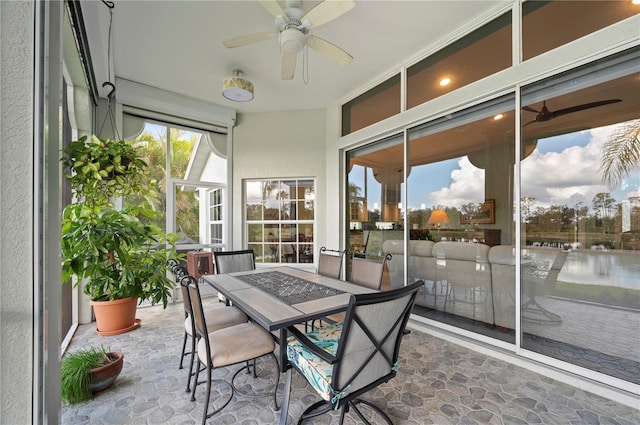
549	24
215	216
580	218
479	54
280	220
577	219
382	101
191	173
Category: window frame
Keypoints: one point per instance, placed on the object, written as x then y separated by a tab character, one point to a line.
275	250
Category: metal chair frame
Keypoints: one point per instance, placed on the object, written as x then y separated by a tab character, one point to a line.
202	334
330	265
344	375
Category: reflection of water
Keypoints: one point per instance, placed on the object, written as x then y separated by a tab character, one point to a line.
612	268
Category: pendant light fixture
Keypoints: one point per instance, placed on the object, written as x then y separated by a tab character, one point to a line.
236	88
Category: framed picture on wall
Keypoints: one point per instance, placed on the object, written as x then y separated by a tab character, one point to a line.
481	213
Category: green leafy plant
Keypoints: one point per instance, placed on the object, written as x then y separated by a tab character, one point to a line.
75	377
116	252
420	234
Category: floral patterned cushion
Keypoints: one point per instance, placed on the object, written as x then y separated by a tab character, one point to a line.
317	371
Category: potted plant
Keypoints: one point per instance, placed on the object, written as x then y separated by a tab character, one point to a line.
86	371
119	255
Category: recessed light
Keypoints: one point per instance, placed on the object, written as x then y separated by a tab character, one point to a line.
444	82
498	117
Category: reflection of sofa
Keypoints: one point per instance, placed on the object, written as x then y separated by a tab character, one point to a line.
474	280
465	268
503	278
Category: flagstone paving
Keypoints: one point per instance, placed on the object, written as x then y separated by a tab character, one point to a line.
438	382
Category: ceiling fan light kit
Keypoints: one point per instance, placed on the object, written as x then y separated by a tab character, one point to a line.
294	26
292	40
237	88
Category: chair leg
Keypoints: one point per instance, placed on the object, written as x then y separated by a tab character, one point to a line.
195	381
184	346
275	390
191	361
343	411
207	397
316	409
541	314
372	406
255	375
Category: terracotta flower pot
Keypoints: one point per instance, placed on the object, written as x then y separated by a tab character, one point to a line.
103	377
116	317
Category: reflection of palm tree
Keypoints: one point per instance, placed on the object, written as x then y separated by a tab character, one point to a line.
283	197
621	153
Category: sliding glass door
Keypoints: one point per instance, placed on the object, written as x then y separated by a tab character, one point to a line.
527	238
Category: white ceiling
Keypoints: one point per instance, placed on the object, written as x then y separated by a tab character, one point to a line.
177	46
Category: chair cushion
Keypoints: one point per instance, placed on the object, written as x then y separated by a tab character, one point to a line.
338	317
236	344
317	371
219	318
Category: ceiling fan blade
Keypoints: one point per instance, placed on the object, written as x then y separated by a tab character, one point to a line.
288	65
272	7
243	40
582	107
329	50
530	109
327	11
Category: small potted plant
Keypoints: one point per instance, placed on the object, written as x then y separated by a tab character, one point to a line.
86	371
119	255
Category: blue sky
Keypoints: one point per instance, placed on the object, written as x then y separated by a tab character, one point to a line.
561	170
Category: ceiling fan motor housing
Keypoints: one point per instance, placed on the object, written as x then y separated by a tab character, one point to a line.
292	40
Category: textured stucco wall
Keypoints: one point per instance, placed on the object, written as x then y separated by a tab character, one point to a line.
16	201
279	144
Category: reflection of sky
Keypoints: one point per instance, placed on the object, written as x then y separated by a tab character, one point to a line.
562	170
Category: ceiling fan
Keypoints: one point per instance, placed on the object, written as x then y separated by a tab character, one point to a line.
293	26
545	114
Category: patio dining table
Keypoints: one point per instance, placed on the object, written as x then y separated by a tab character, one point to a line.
279	297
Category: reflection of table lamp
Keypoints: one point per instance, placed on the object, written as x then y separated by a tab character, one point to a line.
437	218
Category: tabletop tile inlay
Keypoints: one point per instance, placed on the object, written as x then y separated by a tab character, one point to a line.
289	289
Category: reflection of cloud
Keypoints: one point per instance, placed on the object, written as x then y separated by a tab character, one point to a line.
566	177
634	194
467	186
552	178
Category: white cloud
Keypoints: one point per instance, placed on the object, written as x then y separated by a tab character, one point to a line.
552	178
566	177
467	185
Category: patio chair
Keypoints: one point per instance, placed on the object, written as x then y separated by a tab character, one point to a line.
179	272
538	281
226	347
330	262
234	261
216	319
344	360
365	272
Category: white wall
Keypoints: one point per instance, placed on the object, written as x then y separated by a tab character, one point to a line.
16	203
276	145
334	167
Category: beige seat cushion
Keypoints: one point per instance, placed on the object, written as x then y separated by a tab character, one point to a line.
236	344
219	318
338	317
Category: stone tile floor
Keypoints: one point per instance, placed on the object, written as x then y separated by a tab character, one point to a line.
438	383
